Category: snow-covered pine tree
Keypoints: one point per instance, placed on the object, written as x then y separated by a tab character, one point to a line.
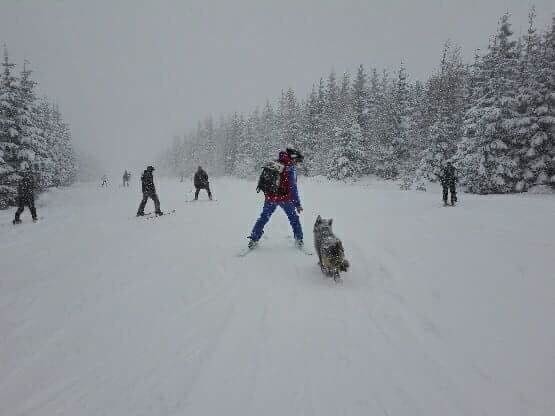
322	111
209	155
248	147
547	111
347	156
173	160
445	103
290	122
9	133
232	135
329	122
36	152
65	166
314	130
391	124
529	140
268	134
484	156
401	124
418	133
375	110
536	106
360	99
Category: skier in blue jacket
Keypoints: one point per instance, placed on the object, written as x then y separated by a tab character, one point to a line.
287	198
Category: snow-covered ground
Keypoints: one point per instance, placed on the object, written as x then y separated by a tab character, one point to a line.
446	311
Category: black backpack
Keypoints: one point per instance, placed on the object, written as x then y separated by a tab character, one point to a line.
270	178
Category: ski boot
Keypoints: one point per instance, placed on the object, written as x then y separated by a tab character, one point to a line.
16	221
252	243
299	244
159	213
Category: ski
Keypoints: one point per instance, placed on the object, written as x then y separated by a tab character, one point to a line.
21	222
304	250
152	215
247	250
243	252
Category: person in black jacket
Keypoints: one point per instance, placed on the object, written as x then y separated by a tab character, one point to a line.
201	182
25	196
149	191
448	179
126	177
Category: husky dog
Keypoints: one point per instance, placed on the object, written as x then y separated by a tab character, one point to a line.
329	248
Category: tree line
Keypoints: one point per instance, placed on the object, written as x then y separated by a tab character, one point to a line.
493	118
33	135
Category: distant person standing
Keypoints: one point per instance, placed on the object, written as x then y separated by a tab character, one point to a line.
25	196
448	179
104	181
126	177
149	191
201	182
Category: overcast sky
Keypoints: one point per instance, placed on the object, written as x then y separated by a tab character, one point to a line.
130	74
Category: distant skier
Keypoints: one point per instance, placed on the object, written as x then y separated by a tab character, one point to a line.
149	191
104	181
25	196
201	182
126	177
448	179
278	181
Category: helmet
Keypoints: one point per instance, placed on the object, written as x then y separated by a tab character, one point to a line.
150	168
294	154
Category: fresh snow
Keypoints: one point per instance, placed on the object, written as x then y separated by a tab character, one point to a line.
445	311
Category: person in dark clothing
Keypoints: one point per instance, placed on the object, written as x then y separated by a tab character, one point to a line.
448	179
25	196
149	191
126	177
201	182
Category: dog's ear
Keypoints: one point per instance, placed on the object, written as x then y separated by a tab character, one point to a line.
318	219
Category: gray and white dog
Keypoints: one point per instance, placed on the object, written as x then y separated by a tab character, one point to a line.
329	248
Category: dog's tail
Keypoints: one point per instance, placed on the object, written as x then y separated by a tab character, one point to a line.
338	256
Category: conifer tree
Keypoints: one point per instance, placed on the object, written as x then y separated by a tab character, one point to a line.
484	155
35	150
9	133
313	131
446	94
360	99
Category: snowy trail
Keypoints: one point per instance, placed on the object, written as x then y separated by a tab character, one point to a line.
444	312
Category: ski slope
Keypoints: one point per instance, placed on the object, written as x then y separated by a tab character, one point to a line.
445	311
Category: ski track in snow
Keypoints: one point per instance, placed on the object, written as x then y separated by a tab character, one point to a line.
443	312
